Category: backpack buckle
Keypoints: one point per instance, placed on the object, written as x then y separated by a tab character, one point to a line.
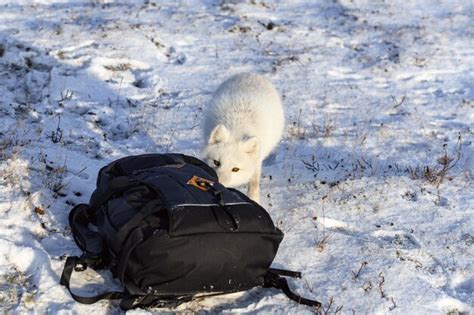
80	265
88	260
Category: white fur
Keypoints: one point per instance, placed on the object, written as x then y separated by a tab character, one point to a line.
242	125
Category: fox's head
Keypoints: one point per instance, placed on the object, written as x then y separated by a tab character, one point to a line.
235	161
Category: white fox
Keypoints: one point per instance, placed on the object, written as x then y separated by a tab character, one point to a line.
242	125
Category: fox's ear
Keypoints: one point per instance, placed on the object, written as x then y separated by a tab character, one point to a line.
252	145
219	134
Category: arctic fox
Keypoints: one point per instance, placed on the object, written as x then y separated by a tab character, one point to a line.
242	125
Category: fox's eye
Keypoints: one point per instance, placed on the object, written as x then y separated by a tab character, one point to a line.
235	169
217	163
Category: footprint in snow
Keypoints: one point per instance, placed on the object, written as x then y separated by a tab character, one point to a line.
398	239
176	57
383	238
123	71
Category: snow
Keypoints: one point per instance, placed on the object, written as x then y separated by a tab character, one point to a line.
378	98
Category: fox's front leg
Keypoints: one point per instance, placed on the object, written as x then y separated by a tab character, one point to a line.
254	185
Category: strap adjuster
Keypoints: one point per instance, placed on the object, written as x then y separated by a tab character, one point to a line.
80	266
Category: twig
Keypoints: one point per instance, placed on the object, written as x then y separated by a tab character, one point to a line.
332	168
118	98
356	275
447	162
57	135
325	311
65	97
381	284
398	103
394	305
322	242
367	286
310	289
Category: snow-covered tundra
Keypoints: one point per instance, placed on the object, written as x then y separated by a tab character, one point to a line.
242	125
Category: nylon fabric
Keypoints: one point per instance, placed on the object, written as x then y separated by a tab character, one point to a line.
167	240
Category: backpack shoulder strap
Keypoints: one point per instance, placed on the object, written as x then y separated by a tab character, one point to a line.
273	279
88	240
79	264
127	301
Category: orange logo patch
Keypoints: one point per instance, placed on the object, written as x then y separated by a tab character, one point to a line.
200	183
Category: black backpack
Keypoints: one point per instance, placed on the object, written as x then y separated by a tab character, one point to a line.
165	227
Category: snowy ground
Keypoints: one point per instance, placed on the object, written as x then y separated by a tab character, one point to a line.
374	174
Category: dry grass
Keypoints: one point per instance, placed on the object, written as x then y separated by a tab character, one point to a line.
357	274
119	67
321	245
329	308
16	288
440	172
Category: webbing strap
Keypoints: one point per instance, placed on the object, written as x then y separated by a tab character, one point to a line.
116	185
133	240
87	240
153	206
273	279
153	301
69	266
128	301
284	272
